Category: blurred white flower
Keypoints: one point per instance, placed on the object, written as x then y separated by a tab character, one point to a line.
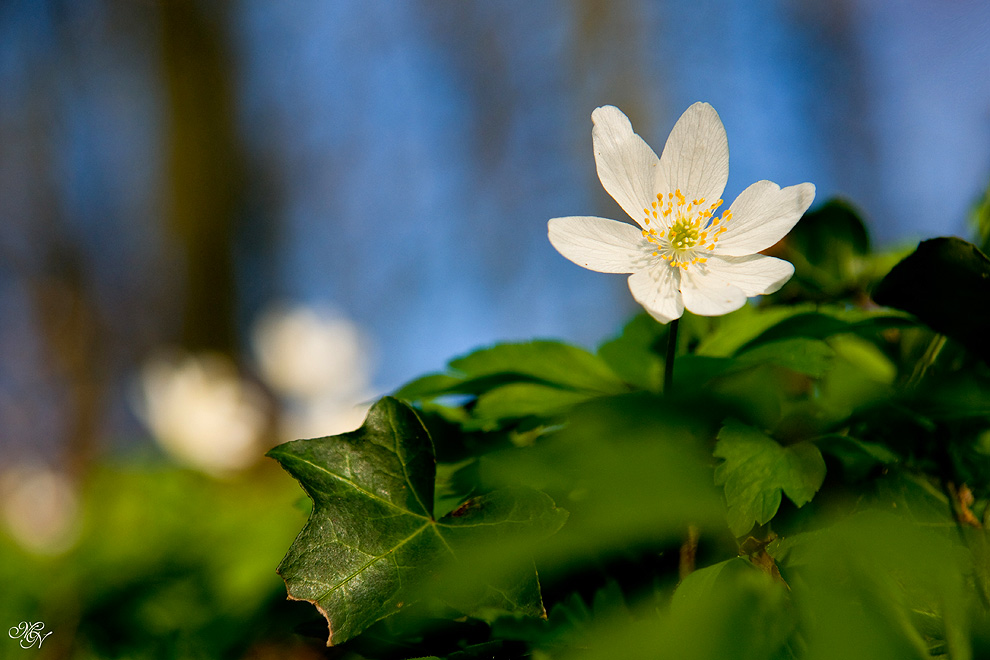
40	509
318	363
202	413
312	418
305	353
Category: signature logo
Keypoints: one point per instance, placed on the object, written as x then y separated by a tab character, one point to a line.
29	634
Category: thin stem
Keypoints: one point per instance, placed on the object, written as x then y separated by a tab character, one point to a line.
927	360
668	365
689	553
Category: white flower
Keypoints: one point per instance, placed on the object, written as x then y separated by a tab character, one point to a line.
318	363
683	255
329	415
309	353
40	507
202	413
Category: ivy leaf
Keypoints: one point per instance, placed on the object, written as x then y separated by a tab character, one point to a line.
372	542
757	469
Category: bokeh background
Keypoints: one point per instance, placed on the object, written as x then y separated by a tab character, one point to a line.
225	224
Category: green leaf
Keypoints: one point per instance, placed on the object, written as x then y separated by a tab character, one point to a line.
427	386
632	469
693	372
856	456
828	248
519	400
945	283
807	356
825	324
861	376
894	587
755	471
635	355
743	325
487	570
544	363
980	220
728	611
372	540
700	584
549	361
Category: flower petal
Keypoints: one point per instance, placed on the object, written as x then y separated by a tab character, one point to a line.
656	290
607	246
707	294
695	159
627	166
756	275
762	215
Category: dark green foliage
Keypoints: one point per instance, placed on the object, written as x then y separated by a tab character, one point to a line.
816	483
946	284
168	564
830	250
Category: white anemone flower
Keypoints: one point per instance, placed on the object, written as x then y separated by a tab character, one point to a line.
319	364
202	413
682	255
308	353
41	509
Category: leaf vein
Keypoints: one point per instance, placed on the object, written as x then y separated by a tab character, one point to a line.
342	583
354	485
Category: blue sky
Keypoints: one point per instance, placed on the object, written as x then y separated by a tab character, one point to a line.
406	156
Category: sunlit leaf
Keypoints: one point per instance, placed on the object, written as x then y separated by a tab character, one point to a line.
829	322
548	361
742	326
807	356
427	386
518	400
757	469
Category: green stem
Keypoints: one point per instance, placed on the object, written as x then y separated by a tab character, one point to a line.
927	360
668	365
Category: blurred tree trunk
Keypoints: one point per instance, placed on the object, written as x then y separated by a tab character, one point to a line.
608	46
72	330
205	176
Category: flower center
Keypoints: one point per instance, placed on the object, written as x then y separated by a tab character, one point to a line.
683	232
